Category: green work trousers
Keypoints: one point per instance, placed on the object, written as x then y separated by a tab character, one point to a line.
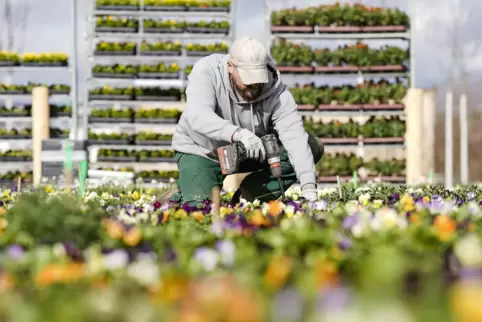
198	176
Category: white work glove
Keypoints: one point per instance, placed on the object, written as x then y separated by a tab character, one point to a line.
309	192
253	144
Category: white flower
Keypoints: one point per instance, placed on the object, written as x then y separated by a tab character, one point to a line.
289	210
227	250
145	271
388	218
115	260
364	199
469	251
377	203
256	203
208	258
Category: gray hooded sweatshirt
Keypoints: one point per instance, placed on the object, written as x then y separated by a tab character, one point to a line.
213	112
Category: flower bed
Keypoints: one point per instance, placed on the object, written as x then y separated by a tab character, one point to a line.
39	60
385	250
368	96
339	19
294	58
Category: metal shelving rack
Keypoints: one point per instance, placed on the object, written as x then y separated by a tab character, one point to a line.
317	34
138	37
13	122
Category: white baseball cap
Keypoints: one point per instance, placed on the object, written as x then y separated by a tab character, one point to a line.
250	57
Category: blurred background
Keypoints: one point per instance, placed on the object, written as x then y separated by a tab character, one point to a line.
447	42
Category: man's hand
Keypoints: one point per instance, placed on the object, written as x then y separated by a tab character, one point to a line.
309	192
253	144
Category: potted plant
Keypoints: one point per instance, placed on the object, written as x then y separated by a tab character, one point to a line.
108	155
120	5
105	48
161	48
200	50
161	71
156	156
164	5
111	116
115	24
292	58
14	112
157	176
157	94
16	156
12	89
8	59
110	138
151	138
112	93
163	26
209	5
45	60
114	71
60	110
148	115
208	27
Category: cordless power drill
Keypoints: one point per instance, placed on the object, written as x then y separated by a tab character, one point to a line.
230	157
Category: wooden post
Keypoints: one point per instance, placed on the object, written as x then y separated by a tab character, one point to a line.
40	128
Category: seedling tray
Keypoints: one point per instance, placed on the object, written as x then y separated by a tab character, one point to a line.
153	142
95	119
165	8
115	29
113	75
157	98
158	75
120	97
163	30
109	142
156	120
117	159
157	159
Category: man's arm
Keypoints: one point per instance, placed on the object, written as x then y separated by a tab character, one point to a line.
289	125
200	106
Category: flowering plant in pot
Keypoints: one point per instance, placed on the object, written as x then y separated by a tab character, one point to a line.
157	115
115	24
110	155
157	93
110	138
208	27
112	93
163	26
111	115
160	71
106	48
9	58
152	138
114	71
127	5
156	156
204	50
170	48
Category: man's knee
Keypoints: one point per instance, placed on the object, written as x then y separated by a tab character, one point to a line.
317	148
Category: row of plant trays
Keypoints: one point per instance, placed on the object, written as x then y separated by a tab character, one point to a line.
15	158
162	30
128	97
336	29
154	53
134	159
161	8
27	114
6	63
95	119
24	137
392	179
351	107
128	142
341	69
140	75
362	140
25	92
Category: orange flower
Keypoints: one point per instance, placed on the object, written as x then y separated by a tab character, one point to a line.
445	227
114	229
198	215
173	289
414	219
3	211
471	228
326	274
278	272
275	208
7	282
259	219
165	216
133	236
58	273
